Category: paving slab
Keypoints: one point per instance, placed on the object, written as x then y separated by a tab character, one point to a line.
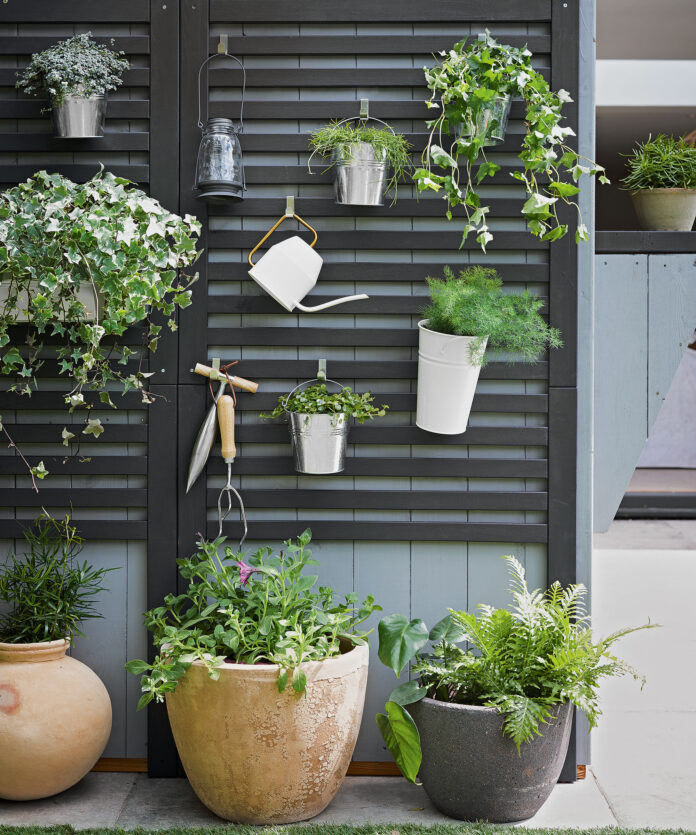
96	801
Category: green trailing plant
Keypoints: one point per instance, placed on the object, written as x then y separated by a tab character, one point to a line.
318	400
663	162
48	593
83	263
474	304
463	83
77	66
339	137
522	662
248	609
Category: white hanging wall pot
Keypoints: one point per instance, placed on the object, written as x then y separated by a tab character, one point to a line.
447	381
290	269
219	173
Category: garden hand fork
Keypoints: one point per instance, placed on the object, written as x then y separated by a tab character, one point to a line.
225	412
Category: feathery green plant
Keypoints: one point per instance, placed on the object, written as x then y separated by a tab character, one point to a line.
48	593
522	662
663	162
473	304
336	137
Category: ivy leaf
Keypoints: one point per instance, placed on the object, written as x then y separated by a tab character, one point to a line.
94	427
440	157
564	189
66	436
39	470
486	169
581	233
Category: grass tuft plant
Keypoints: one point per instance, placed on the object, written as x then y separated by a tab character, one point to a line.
663	162
48	593
474	304
335	136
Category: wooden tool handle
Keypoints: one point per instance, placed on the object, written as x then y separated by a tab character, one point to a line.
237	382
225	411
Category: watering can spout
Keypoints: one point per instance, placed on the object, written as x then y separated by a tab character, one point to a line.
314	309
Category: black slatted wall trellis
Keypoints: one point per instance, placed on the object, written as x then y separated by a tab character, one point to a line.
509	479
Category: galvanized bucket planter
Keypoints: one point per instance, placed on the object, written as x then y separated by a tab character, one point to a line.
361	174
79	118
318	442
491	122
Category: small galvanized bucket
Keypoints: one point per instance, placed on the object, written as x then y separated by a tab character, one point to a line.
79	117
318	441
361	174
491	122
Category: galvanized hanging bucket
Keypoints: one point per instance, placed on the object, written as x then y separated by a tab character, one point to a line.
491	122
79	118
318	441
361	174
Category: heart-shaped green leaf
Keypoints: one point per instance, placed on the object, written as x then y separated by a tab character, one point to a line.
401	735
399	640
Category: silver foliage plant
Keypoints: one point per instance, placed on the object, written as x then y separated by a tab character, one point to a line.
77	66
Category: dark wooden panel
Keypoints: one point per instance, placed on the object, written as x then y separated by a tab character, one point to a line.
364	44
77	172
91	529
134	77
389	499
116	109
607	243
114	433
369	466
466	11
111	141
91	465
77	497
28	44
76	11
388	531
385	270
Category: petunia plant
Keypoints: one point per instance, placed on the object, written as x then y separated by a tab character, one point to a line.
468	79
80	264
259	608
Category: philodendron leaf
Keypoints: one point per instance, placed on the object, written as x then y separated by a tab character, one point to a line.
399	640
401	735
447	630
408	693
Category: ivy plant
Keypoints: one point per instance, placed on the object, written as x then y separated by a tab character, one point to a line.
81	263
77	67
337	139
318	400
663	162
248	609
467	79
47	592
522	662
474	304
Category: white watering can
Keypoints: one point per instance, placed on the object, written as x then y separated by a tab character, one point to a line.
289	269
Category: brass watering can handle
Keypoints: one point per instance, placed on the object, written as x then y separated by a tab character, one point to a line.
275	226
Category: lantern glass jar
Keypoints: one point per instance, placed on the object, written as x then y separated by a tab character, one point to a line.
219	171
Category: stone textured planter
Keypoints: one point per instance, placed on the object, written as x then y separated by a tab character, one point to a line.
665	209
256	756
55	720
472	772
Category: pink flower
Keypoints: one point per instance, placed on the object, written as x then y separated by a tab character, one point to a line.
245	571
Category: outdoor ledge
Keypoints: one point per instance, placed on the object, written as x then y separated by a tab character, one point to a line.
612	242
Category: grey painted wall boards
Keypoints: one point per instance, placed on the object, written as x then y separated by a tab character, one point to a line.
646	313
414	514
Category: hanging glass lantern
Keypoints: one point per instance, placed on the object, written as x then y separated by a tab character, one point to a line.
220	166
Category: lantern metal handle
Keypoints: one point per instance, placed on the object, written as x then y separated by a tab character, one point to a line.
241	108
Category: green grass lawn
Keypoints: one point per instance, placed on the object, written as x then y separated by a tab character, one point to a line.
337	829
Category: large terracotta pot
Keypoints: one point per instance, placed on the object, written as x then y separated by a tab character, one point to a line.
254	755
55	720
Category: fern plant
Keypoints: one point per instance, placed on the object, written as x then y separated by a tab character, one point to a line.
474	304
521	661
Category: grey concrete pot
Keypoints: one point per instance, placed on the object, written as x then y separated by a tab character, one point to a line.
472	772
665	209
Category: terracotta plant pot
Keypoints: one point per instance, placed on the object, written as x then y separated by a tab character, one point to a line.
55	720
472	772
254	755
665	209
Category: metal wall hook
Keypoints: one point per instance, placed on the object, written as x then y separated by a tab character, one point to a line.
321	370
364	108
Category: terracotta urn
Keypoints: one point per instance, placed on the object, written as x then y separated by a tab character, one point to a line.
55	720
257	756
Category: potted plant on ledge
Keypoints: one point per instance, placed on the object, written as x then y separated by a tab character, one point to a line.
363	156
662	181
319	422
75	75
487	727
264	679
472	87
466	316
55	713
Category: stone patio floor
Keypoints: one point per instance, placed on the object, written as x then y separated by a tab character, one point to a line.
644	752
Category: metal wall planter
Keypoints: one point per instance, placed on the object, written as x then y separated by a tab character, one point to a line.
79	118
